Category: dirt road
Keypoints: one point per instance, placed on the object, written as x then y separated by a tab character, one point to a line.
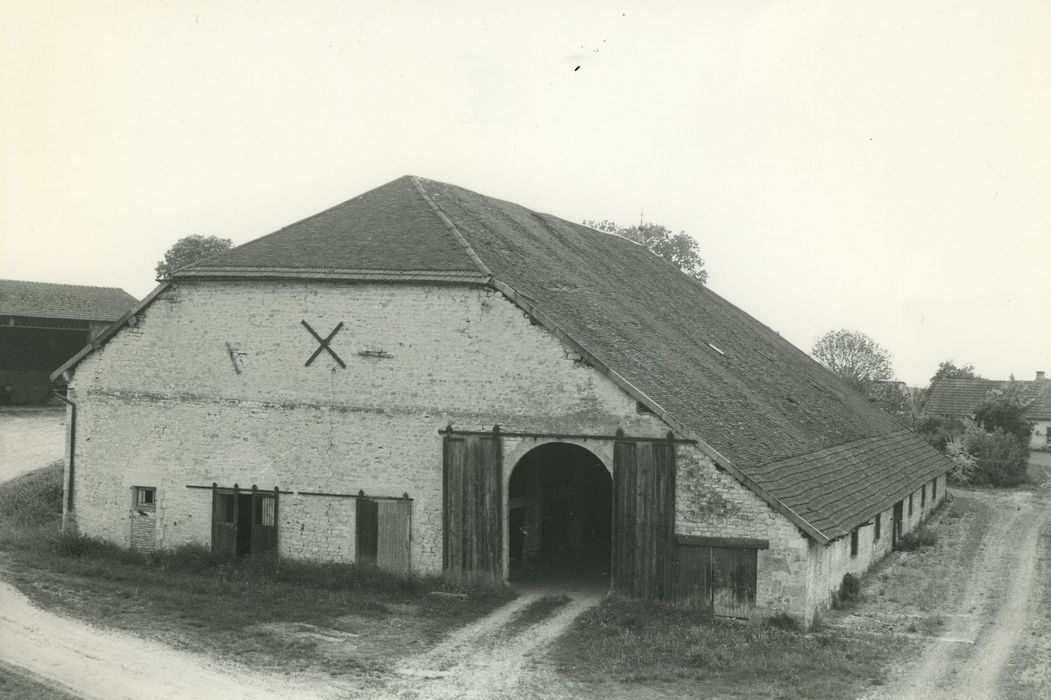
490	659
92	663
987	624
30	439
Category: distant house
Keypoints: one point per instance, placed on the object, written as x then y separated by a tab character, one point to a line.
955	398
42	325
427	379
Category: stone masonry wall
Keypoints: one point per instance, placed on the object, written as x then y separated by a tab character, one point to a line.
710	502
831	562
211	386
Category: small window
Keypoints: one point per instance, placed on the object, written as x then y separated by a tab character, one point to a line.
910	505
226	507
145	497
854	542
923	496
876	527
934	489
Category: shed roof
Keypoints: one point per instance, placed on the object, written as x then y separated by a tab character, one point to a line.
758	405
65	301
959	397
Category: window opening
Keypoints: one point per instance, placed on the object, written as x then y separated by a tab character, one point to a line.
854	542
876	527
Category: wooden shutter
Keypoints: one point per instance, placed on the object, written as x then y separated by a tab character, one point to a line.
264	524
472	484
224	524
643	519
393	535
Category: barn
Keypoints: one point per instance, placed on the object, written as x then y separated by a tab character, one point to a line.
42	325
427	379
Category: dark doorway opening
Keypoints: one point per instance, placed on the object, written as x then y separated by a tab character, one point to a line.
560	517
244	524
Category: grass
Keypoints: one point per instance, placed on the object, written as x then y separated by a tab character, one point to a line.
641	643
251	609
16	685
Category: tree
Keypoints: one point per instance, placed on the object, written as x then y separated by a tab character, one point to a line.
679	249
949	370
188	250
1005	410
854	357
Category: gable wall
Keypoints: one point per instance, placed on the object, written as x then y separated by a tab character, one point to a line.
162	405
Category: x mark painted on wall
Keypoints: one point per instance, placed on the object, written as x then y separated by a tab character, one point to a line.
324	344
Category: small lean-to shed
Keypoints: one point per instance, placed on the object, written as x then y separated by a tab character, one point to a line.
427	378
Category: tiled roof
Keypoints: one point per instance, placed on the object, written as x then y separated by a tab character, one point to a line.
66	301
839	487
959	397
712	371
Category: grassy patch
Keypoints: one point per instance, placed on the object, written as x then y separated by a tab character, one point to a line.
647	643
17	685
356	617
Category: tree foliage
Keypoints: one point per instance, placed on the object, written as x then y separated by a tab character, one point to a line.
987	457
854	357
188	250
680	249
950	370
1005	410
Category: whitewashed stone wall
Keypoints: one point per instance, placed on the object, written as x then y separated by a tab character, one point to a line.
162	405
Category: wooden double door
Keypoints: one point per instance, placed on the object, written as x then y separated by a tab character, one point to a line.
643	513
244	523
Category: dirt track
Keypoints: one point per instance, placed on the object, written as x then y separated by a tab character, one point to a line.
986	625
479	661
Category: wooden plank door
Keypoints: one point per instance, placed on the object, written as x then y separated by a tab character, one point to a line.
264	524
224	524
394	532
733	580
472	485
366	524
643	519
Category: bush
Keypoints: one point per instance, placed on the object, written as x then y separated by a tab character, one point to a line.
1000	458
939	431
911	541
783	621
848	593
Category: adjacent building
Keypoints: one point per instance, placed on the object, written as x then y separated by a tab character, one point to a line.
956	398
42	325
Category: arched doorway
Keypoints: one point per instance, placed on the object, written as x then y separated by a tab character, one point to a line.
560	516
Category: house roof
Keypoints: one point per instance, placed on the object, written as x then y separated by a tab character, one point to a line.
959	397
759	406
65	301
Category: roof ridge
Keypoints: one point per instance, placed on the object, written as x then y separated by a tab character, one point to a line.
65	284
482	267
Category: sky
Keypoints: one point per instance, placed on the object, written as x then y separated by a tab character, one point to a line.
882	167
